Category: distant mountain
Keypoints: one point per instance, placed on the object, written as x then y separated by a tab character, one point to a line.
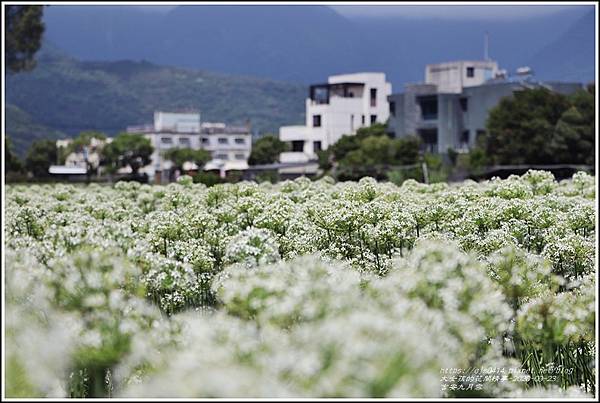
304	44
571	56
64	96
23	130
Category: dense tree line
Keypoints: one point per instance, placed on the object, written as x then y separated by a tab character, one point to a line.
539	126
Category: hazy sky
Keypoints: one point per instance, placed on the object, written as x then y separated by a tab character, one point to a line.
452	11
438	11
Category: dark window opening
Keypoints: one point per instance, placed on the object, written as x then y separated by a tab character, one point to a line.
363	119
429	108
316	120
464	137
223	140
373	119
392	108
429	140
470	71
316	146
464	104
373	96
319	95
298	146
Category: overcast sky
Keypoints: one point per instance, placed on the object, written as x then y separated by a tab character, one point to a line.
452	11
438	11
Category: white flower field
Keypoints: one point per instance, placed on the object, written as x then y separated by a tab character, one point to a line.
302	289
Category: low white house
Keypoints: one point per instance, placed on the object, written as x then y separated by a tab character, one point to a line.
230	146
339	107
79	161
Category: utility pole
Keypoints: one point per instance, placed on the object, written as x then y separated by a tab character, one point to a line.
486	47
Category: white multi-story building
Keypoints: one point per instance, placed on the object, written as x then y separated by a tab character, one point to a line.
230	146
339	107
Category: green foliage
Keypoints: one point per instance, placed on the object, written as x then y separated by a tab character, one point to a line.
40	156
436	169
128	149
11	161
266	150
181	155
208	178
370	153
538	126
23	35
84	139
268	176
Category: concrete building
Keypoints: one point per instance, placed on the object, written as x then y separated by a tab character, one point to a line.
339	107
450	109
230	146
86	158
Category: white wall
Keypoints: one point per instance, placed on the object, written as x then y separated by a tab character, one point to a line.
451	77
177	122
341	116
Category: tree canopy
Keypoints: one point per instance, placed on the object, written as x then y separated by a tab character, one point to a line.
11	160
539	126
178	156
24	29
266	150
40	156
128	149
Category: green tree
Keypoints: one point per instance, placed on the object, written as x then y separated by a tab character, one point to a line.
127	149
11	160
178	156
266	150
40	156
24	29
536	126
84	139
573	140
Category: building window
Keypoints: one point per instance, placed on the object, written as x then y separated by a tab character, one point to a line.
464	138
429	140
316	146
316	120
319	95
470	71
373	119
362	120
373	96
392	108
429	108
240	157
205	140
223	140
184	141
240	140
298	146
221	156
480	133
351	123
464	104
166	140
